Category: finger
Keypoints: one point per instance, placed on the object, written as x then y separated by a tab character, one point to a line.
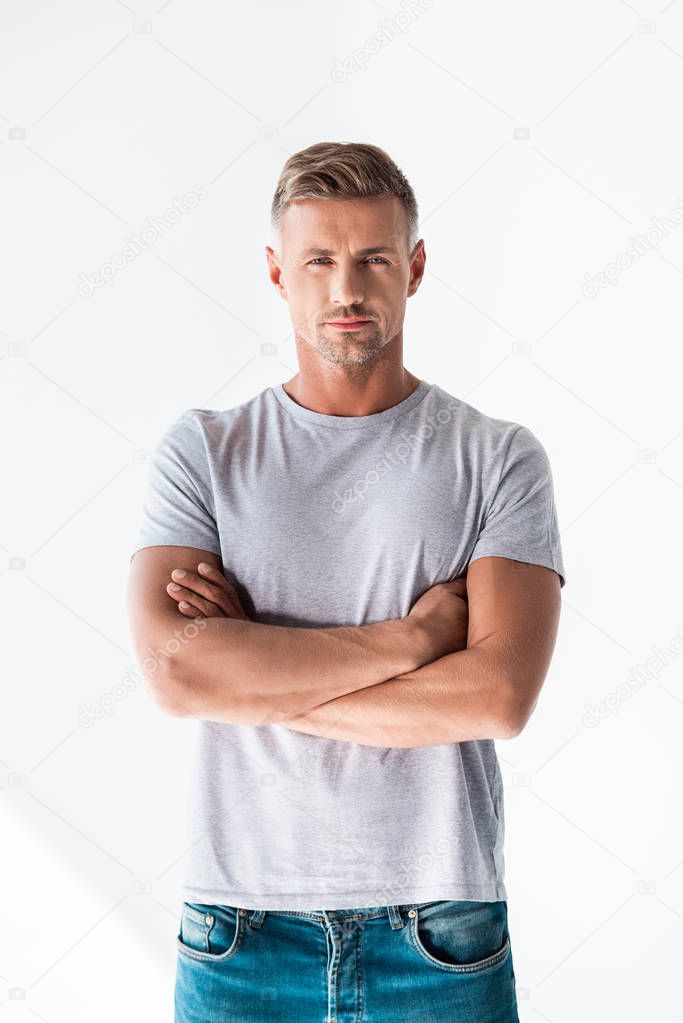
189	611
206	607
210	590
215	576
203	589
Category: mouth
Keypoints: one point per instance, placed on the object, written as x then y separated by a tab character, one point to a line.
348	324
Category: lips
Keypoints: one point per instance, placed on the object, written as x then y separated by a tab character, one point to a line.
347	323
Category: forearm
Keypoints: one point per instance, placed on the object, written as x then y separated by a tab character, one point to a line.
456	698
244	672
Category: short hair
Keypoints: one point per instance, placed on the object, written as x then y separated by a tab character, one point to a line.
346	170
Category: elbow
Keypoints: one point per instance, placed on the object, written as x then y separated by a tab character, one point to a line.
168	693
516	711
509	728
511	716
504	727
180	692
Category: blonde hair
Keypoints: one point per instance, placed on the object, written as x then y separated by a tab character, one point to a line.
331	170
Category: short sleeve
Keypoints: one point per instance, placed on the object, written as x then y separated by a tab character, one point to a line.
521	521
178	508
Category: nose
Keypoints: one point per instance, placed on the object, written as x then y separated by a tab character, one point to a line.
347	287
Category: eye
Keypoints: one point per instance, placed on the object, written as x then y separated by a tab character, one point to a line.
319	260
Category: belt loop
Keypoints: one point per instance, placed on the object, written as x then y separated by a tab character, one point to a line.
257	917
395	918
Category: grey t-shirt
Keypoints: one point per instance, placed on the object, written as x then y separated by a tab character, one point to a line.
325	520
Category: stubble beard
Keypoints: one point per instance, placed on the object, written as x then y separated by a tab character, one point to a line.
350	349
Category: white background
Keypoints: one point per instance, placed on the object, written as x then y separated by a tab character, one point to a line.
539	138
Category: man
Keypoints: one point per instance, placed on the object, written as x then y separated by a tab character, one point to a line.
352	581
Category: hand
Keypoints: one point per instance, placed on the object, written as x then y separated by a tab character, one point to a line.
205	593
441	614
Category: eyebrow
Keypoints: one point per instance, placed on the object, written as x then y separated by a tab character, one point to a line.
363	252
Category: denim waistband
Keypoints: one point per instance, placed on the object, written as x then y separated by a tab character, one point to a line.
330	916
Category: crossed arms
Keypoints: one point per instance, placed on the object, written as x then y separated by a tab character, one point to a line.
399	683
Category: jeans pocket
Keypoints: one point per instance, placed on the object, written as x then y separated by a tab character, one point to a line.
210	933
460	936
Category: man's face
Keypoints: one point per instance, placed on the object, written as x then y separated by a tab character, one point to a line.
342	259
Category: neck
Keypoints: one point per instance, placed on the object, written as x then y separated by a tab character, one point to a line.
341	394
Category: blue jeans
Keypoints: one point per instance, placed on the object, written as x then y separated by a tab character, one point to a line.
414	963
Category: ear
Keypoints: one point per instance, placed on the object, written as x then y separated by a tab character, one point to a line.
275	271
417	267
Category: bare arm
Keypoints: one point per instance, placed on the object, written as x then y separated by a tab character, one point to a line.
245	672
455	699
487	690
254	674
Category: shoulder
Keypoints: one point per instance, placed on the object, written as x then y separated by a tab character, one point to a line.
488	437
211	427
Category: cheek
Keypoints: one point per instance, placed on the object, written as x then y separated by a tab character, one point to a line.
307	307
314	300
388	292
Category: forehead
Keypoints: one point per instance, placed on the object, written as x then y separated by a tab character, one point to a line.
345	222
